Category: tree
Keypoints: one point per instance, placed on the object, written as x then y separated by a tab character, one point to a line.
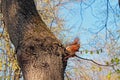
103	37
39	52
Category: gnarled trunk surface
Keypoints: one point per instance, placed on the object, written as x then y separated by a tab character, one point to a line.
39	52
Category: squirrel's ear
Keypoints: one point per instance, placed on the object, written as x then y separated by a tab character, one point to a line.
76	39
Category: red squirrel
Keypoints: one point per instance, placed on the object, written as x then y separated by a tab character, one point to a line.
73	47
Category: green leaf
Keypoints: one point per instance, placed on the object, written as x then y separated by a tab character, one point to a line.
118	71
86	51
115	60
91	52
107	63
112	60
97	51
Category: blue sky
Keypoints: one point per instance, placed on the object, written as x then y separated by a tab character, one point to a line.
86	19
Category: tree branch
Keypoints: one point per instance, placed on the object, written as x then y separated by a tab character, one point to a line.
119	3
107	65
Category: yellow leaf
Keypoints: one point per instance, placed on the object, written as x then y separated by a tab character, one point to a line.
47	1
0	65
100	69
109	75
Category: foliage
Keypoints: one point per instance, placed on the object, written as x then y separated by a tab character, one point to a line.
84	69
8	63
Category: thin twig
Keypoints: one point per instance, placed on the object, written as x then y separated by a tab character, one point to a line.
107	65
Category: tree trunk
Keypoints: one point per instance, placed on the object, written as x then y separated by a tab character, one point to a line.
39	52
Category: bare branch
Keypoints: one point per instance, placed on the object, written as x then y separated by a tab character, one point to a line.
107	65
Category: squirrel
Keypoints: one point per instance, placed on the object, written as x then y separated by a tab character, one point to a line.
72	48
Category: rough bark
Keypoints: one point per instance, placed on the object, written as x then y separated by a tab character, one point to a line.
39	52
